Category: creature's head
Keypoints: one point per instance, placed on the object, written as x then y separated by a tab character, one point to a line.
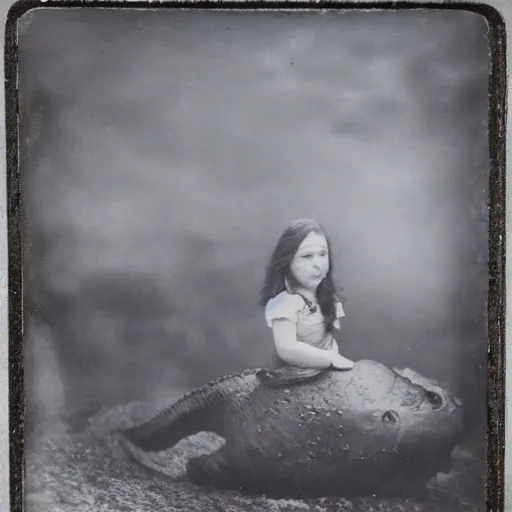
401	415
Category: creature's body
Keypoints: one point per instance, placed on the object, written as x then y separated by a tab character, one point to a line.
314	433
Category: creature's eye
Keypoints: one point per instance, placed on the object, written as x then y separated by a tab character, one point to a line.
390	418
434	399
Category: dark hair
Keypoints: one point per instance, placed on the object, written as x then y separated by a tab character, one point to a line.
278	269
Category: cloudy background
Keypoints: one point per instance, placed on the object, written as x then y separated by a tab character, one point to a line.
162	154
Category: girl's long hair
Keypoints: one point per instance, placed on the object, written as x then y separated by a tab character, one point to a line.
278	269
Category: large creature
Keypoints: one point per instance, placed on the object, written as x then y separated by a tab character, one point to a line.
291	432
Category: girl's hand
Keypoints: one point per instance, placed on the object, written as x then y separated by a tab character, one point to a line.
341	363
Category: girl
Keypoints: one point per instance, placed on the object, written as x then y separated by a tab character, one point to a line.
301	306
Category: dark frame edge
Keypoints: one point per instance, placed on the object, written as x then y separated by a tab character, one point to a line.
495	457
15	273
497	213
21	7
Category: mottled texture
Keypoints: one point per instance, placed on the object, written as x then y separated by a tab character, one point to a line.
361	432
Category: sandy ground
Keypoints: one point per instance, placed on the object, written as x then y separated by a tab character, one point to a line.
93	470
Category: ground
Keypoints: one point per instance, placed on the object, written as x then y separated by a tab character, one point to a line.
92	470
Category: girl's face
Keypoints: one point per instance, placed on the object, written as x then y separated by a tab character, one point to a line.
311	261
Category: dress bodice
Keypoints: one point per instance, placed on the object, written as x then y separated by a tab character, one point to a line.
310	324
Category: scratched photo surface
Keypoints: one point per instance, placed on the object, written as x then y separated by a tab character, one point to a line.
162	155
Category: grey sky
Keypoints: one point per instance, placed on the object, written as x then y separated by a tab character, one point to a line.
173	147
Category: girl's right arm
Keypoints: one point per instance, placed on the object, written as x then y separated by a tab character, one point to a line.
296	353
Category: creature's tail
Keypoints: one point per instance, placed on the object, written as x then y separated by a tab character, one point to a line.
200	410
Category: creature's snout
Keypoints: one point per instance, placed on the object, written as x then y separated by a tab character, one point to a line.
418	396
426	392
435	399
439	399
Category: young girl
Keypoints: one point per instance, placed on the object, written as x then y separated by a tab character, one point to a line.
301	306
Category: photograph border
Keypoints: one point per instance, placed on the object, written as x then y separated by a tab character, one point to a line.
495	457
